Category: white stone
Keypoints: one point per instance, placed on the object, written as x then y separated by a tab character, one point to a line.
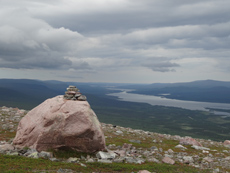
181	147
207	159
119	132
46	155
170	151
104	161
72	160
6	147
205	151
33	155
188	159
199	148
105	155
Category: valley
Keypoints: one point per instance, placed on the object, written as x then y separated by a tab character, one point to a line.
26	94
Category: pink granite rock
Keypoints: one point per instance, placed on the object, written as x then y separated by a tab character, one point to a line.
6	147
207	159
143	171
121	153
168	160
127	146
189	141
59	123
227	142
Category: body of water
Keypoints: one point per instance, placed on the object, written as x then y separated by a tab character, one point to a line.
161	101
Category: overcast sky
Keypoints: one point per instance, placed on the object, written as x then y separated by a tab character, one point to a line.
128	41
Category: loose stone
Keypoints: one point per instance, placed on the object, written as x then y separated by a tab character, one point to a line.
105	155
104	161
72	160
73	93
168	160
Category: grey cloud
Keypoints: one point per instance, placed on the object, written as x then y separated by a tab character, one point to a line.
70	76
198	36
145	14
37	63
94	36
29	43
223	64
160	64
80	65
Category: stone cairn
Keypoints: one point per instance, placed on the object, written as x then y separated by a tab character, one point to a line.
73	93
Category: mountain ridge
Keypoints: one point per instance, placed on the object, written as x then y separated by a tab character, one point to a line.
203	90
128	114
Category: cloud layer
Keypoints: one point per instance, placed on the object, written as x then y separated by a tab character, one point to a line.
116	39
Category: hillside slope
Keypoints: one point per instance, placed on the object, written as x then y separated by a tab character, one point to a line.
129	150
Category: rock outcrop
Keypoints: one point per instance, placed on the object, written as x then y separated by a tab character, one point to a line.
58	123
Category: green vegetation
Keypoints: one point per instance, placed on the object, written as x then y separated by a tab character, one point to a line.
221	110
169	120
67	153
6	135
10	164
23	164
26	94
160	119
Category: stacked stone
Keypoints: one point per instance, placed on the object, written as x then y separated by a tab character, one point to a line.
73	93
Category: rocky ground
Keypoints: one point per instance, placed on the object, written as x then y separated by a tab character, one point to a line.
154	147
126	145
9	118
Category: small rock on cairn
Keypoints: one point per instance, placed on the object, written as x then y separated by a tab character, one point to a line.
73	93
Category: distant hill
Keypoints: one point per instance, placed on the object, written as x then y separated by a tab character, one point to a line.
200	84
205	91
24	93
27	93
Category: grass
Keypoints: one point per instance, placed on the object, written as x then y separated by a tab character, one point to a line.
152	167
160	119
6	135
23	164
120	140
169	120
67	153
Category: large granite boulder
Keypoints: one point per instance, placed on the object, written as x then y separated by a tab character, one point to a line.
58	123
